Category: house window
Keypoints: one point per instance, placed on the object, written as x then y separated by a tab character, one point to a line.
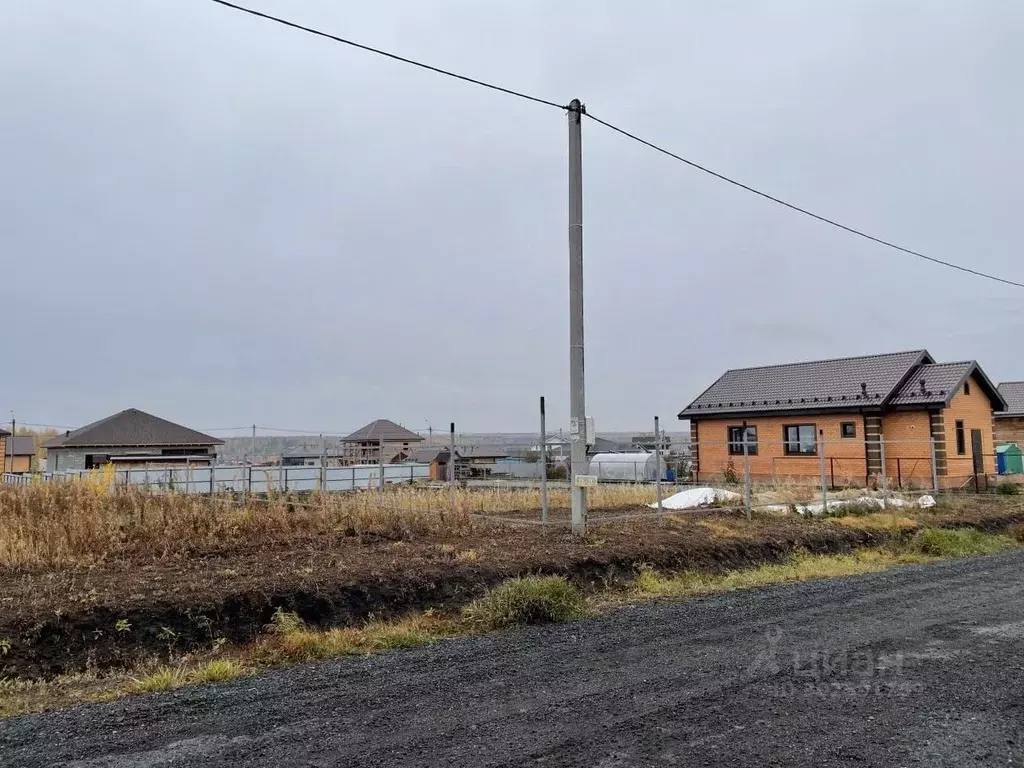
967	387
961	446
848	429
736	441
800	439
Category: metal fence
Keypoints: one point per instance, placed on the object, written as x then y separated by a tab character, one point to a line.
249	479
848	463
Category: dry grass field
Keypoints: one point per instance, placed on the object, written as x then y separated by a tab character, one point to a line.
87	522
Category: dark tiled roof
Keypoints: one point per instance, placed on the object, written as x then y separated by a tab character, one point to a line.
814	385
22	445
131	428
1013	394
933	384
481	452
429	454
382	429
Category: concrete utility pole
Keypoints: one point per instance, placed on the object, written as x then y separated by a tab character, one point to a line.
451	466
577	398
543	465
657	460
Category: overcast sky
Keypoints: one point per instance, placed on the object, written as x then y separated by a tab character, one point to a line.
224	221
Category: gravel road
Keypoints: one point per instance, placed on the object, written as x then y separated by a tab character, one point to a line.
919	666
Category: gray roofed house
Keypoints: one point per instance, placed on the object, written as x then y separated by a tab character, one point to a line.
861	382
365	445
850	406
1013	394
129	437
18	452
1009	422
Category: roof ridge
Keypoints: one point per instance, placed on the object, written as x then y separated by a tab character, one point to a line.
831	360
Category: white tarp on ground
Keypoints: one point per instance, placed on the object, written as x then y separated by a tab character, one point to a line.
692	498
873	501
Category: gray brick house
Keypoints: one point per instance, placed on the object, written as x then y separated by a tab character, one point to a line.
131	438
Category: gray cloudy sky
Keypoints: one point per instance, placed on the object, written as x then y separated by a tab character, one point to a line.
225	221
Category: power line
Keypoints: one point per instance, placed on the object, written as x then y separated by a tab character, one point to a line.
798	209
389	55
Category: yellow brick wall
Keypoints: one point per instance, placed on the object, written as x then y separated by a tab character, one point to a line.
975	410
908	453
845	458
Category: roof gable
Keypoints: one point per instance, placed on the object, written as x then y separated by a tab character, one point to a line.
850	382
937	384
1012	393
131	428
385	430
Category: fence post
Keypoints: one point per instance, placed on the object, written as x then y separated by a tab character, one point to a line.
451	466
832	471
899	474
380	470
935	469
353	478
657	462
746	473
323	465
885	480
824	479
212	465
250	480
543	464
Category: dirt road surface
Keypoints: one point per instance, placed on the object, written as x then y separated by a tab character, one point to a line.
919	666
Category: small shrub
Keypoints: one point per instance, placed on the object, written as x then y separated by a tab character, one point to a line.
163	679
385	636
1016	532
1007	488
217	671
729	474
284	622
529	600
958	542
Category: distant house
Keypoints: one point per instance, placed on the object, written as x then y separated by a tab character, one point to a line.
364	446
128	439
784	413
479	460
436	457
1010	422
557	445
604	445
3	441
647	442
18	453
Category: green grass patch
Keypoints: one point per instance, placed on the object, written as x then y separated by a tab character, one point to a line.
528	600
959	542
801	567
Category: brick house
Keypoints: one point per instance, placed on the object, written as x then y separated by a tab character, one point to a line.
131	438
365	445
18	454
851	411
1010	422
